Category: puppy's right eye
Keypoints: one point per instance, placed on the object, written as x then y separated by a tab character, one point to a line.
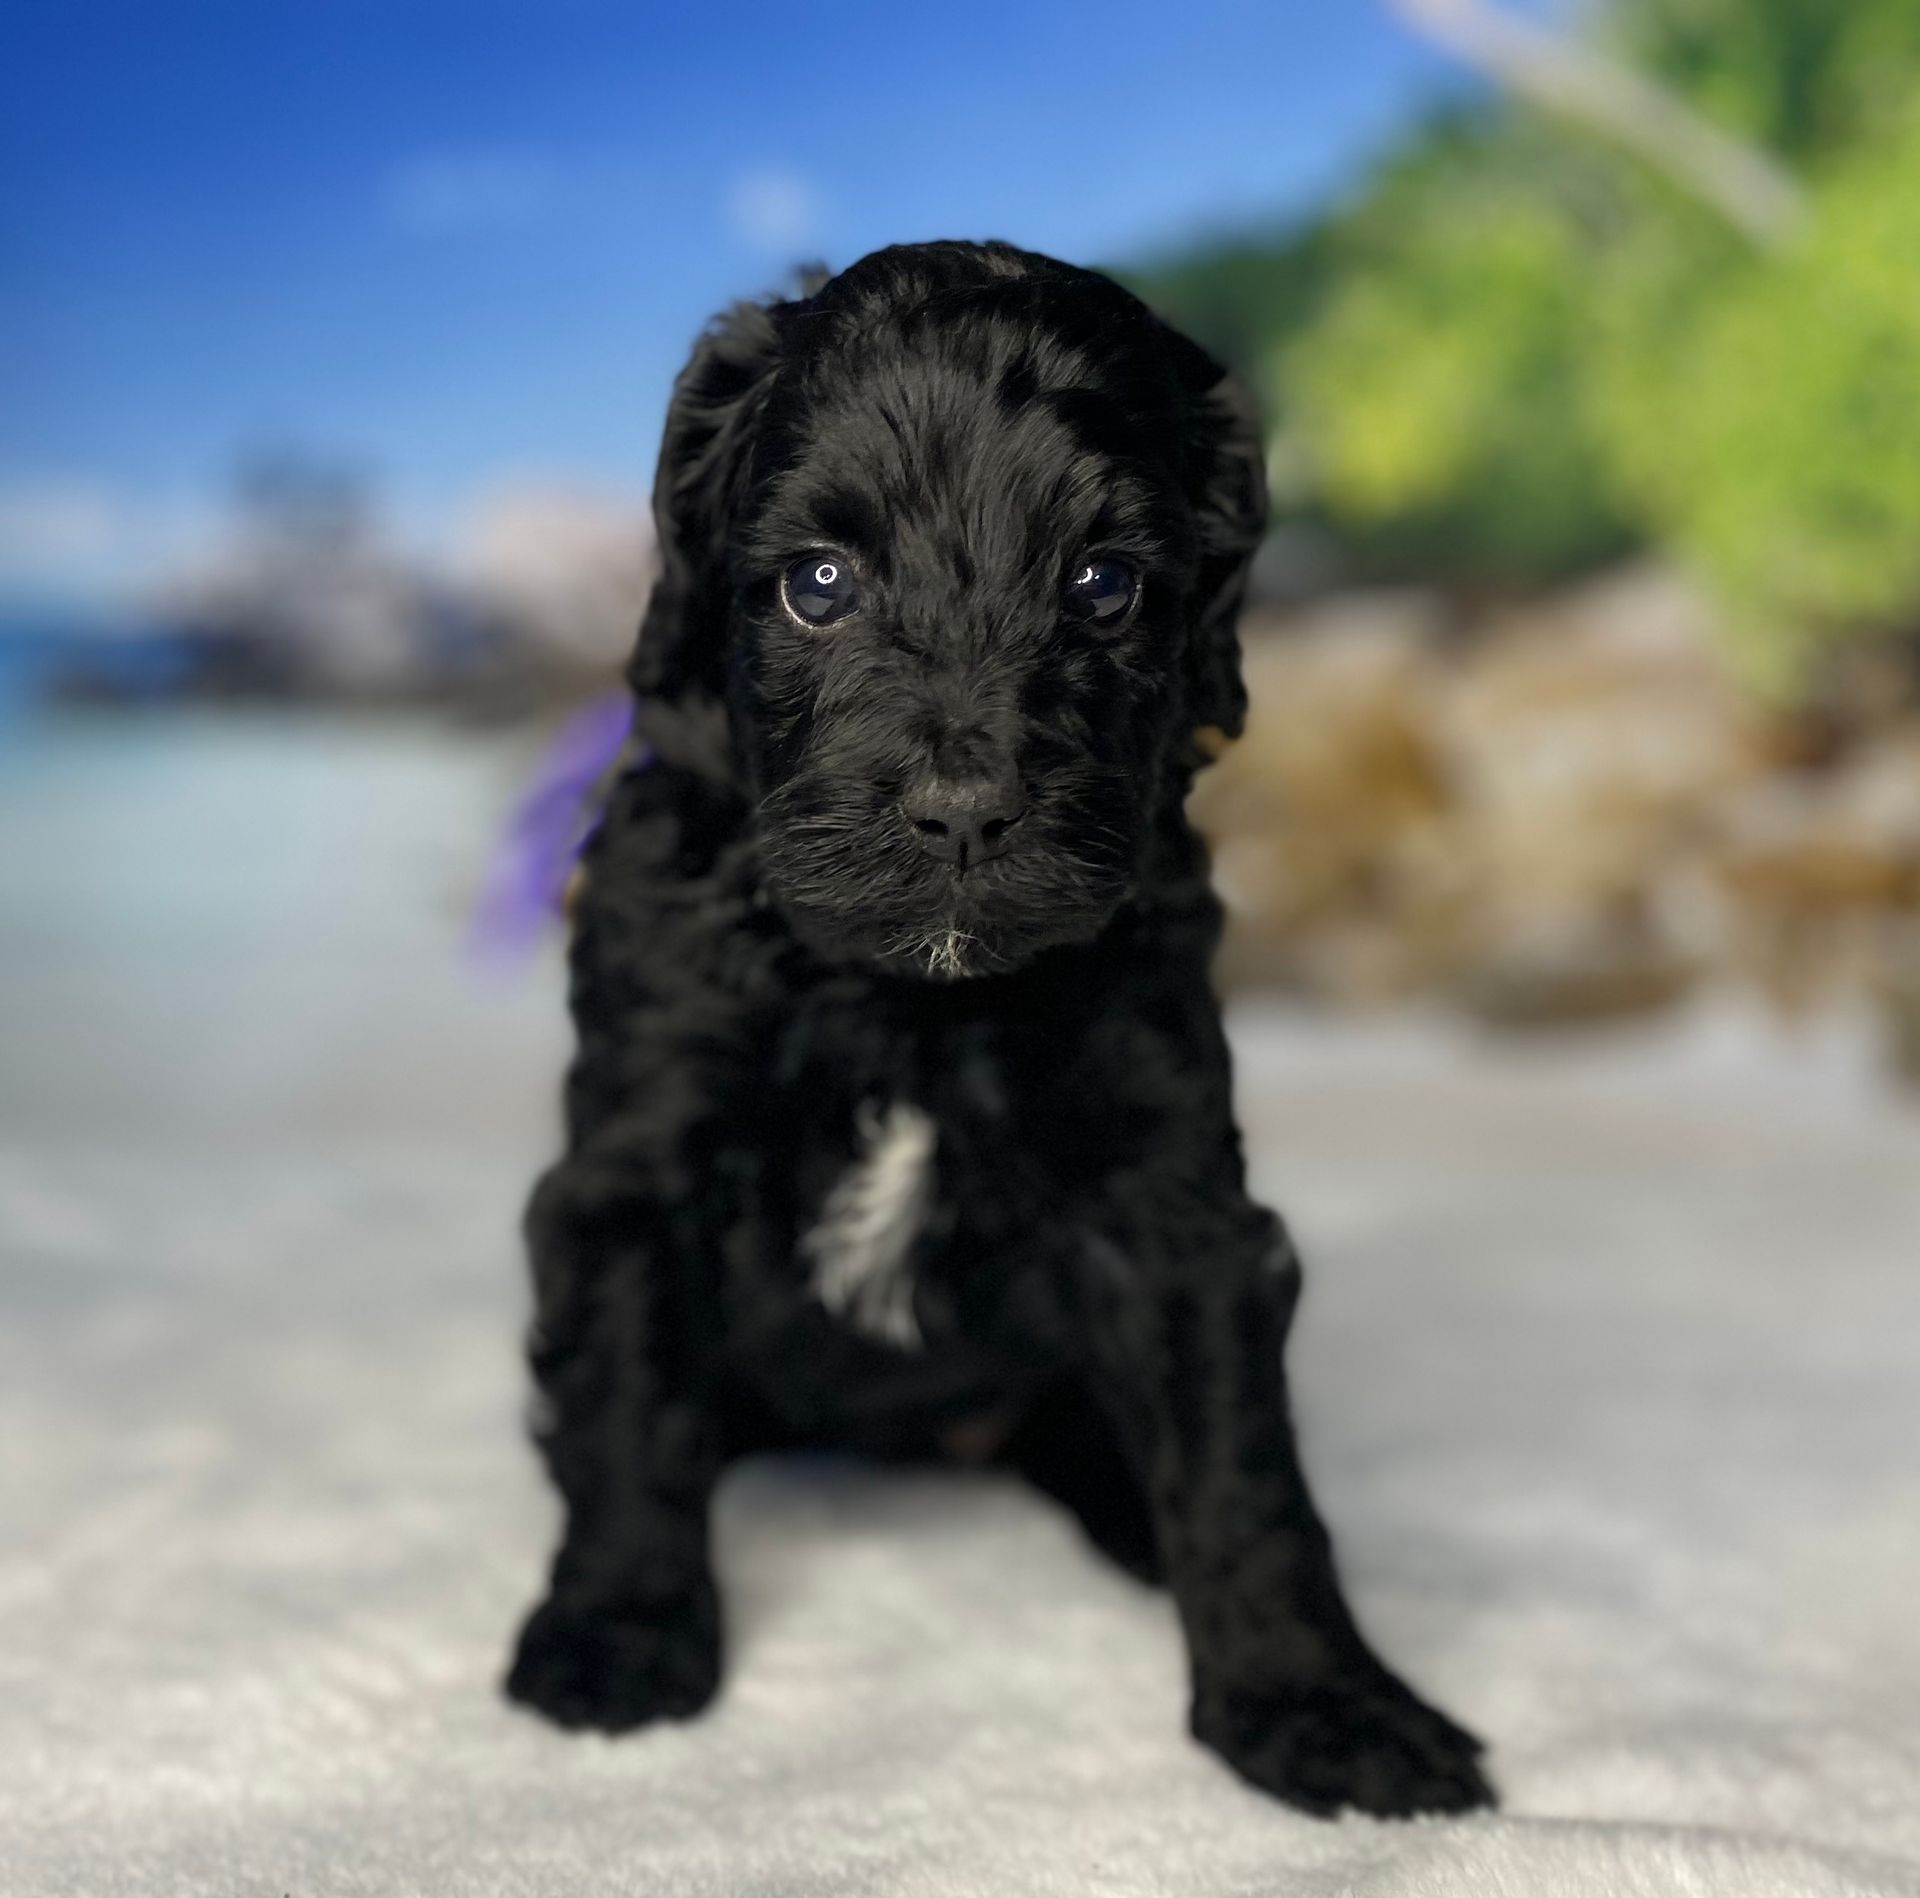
820	589
1102	592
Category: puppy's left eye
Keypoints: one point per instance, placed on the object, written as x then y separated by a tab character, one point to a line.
1102	592
820	589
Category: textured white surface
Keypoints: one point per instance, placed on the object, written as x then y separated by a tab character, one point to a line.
1609	1366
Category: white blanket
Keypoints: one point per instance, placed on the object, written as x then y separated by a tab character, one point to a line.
1609	1373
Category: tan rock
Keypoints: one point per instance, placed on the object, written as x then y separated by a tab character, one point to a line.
1590	742
1817	866
1325	815
1573	815
1599	974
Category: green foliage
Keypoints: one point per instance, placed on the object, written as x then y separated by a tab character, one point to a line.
1437	396
1808	79
1520	350
1789	447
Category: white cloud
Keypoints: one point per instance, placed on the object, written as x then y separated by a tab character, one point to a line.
774	209
50	525
65	537
570	563
477	189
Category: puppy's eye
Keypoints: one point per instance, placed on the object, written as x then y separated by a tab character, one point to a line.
820	589
1102	592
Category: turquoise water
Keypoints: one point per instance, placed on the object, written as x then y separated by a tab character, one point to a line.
226	922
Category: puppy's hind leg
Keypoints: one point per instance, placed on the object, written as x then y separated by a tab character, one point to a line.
630	1629
1068	1447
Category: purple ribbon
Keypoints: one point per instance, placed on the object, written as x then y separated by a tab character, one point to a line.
526	880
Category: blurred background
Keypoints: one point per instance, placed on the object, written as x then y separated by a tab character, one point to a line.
335	344
1572	855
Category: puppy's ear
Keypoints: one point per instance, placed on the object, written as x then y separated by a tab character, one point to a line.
716	406
1230	484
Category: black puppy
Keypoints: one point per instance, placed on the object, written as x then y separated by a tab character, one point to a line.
901	1105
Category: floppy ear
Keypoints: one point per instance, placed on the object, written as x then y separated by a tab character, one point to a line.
1229	462
716	404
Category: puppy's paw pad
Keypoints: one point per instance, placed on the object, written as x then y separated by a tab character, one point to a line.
1371	1745
618	1667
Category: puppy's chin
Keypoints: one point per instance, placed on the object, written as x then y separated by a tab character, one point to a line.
959	946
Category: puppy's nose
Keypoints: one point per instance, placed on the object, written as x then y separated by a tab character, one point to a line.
964	820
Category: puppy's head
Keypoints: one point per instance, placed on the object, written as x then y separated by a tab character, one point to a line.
960	540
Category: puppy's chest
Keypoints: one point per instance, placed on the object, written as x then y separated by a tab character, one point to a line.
862	1241
921	1210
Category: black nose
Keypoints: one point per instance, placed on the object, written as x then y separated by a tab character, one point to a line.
964	820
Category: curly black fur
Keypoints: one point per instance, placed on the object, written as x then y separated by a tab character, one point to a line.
767	965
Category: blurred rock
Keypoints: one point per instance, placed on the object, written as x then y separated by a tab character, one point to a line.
1900	1000
303	595
1587	737
1598	974
1819	867
567	571
1570	813
1326	815
307	595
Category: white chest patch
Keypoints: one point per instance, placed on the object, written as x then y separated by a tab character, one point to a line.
866	1229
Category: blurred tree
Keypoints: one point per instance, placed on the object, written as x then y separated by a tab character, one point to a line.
1808	79
1436	396
1535	339
1615	97
1783	454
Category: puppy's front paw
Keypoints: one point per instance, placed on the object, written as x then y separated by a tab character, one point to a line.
1367	1743
619	1666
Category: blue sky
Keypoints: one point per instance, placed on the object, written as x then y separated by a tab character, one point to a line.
463	245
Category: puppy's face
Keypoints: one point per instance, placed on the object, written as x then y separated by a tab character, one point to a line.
966	564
